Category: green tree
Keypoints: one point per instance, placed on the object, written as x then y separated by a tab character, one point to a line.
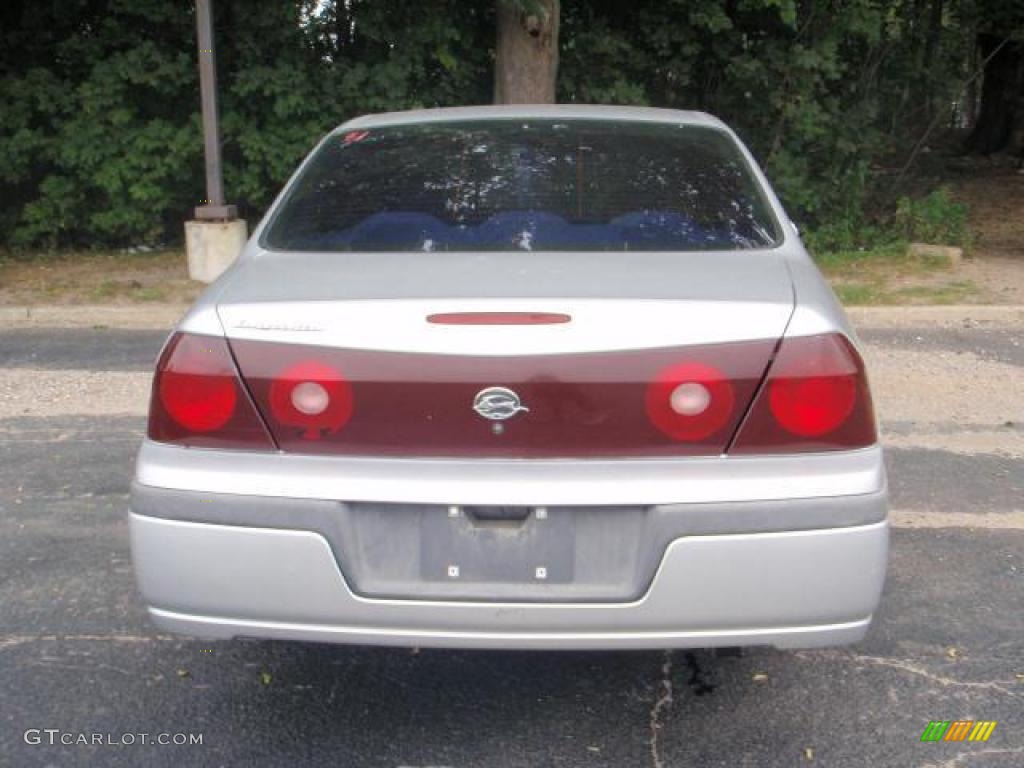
100	140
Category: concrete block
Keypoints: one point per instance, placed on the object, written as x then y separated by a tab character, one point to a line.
948	253
212	246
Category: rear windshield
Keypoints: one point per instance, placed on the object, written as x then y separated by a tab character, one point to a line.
544	185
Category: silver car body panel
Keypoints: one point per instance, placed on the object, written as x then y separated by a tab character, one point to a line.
597	325
534	111
798	588
639	275
513	481
403	550
430	635
783	550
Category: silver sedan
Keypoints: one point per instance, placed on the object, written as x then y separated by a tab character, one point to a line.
516	377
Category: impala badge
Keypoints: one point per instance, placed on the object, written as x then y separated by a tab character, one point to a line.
497	403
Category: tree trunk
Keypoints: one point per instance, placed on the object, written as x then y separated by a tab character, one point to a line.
527	52
970	110
1001	114
932	45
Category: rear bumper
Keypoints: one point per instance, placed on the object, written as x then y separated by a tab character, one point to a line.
801	588
788	551
552	482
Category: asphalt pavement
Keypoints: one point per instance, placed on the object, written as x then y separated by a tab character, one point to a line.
80	661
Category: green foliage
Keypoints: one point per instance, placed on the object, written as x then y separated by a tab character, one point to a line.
100	142
936	218
840	260
851	294
851	235
96	147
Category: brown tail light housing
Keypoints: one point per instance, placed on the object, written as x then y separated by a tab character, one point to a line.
199	400
814	398
689	401
669	401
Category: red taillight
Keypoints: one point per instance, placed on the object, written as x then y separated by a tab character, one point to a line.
197	386
198	398
311	398
690	401
815	398
814	406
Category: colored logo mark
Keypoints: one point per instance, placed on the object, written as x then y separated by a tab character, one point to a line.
958	730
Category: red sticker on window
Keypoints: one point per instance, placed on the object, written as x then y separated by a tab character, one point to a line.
353	136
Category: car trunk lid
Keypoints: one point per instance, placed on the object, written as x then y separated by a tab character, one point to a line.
526	355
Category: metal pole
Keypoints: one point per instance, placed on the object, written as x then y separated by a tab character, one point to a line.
214	207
